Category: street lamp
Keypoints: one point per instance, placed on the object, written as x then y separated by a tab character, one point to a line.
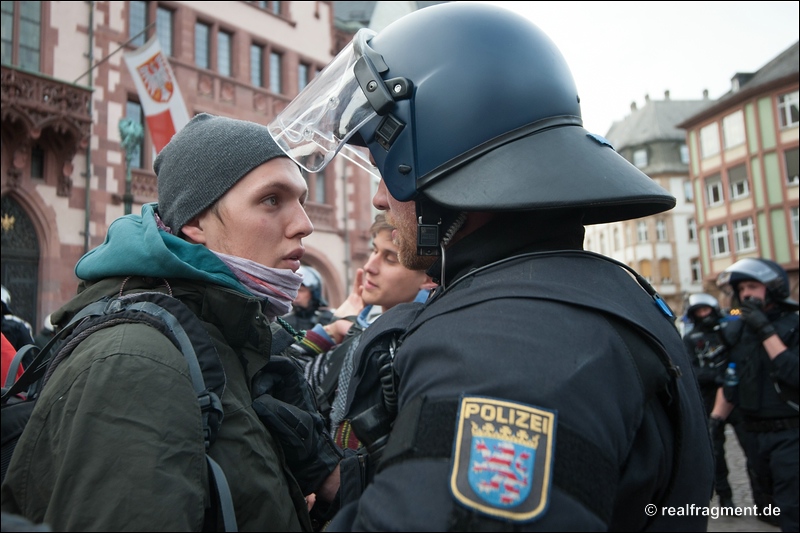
131	133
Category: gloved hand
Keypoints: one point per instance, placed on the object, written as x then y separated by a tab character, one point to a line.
285	404
753	315
715	426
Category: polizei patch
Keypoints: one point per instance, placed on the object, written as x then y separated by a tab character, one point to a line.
503	458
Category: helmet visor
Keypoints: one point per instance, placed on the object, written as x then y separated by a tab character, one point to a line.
320	120
747	268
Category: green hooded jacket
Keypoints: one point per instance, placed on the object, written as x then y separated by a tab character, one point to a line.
115	441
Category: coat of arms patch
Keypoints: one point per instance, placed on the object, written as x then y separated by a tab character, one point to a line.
503	458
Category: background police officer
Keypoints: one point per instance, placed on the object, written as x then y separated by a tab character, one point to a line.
310	307
705	344
765	345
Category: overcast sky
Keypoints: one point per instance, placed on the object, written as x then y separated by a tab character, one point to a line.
620	51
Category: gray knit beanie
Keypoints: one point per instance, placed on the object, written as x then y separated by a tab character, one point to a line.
205	159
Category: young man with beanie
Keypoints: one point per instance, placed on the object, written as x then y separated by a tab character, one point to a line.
540	387
765	345
116	441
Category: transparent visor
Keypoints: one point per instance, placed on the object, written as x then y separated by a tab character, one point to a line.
317	124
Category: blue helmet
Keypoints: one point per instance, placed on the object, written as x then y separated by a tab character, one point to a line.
471	107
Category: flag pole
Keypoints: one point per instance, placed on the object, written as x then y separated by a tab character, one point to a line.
106	58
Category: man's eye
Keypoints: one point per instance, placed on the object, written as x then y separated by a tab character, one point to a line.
271	200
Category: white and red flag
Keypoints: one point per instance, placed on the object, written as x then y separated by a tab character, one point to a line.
158	90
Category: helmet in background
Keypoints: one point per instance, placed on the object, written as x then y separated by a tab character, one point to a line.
47	324
313	281
5	296
472	107
770	273
699	300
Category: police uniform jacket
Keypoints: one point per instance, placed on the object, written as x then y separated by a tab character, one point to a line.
533	395
709	356
758	397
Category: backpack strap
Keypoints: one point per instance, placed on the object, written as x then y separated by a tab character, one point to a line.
35	372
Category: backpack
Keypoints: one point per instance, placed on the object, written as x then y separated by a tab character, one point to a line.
173	319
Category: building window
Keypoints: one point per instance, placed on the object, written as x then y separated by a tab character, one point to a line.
224	48
202	45
661	230
138	19
714	194
275	81
691	225
257	65
787	109
133	111
302	76
733	129
684	154
21	35
795	229
164	29
737	178
273	7
319	188
603	244
719	240
688	191
137	22
616	239
709	141
641	231
697	273
744	234
37	162
791	160
646	270
640	158
664	272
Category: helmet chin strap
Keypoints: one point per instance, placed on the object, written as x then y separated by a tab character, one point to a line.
431	219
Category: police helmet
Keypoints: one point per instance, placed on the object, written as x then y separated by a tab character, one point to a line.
764	271
470	106
47	324
699	300
5	296
313	281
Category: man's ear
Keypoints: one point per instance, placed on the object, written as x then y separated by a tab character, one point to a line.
193	230
429	284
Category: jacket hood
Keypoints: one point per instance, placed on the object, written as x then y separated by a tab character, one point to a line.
136	246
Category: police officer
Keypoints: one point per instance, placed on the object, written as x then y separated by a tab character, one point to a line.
705	344
310	307
765	345
17	330
539	386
